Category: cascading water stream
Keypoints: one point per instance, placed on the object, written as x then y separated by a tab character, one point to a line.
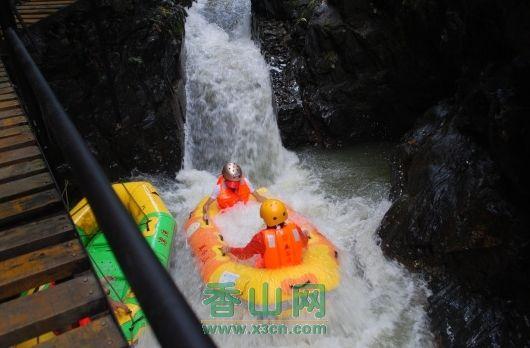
230	117
229	111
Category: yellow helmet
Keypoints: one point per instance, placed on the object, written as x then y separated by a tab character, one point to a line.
273	212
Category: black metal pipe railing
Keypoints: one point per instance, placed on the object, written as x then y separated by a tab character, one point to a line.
171	318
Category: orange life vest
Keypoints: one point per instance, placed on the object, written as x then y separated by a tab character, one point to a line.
283	246
228	197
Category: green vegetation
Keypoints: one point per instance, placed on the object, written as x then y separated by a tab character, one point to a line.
169	17
136	60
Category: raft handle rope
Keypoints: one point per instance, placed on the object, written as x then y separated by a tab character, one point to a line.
120	300
134	321
64	194
299	286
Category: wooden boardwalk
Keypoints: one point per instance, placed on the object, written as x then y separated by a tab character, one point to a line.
32	11
38	245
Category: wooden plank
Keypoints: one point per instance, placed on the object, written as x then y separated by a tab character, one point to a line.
26	186
43	2
8	96
28	206
35	15
102	332
9	104
66	2
13	121
35	235
54	308
22	170
31	21
16	141
42	7
11	113
24	11
7	132
42	266
54	2
18	155
36	5
6	90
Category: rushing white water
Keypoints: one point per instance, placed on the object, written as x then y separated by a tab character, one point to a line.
230	117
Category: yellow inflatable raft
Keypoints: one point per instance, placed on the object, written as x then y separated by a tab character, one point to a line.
157	226
319	265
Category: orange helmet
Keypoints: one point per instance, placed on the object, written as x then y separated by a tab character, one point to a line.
273	212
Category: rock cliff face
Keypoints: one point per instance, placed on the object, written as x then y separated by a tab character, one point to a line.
369	69
346	71
461	201
116	68
460	212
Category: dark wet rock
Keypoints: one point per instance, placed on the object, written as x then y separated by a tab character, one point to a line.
358	77
369	70
287	98
116	68
460	213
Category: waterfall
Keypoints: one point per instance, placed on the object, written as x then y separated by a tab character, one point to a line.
230	118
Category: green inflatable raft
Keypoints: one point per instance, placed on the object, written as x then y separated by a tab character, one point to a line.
156	224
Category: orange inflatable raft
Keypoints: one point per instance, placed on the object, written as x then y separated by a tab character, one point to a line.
319	265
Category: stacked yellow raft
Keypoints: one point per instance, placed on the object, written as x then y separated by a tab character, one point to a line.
319	265
156	225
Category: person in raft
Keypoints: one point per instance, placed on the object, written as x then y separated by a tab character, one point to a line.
232	187
281	244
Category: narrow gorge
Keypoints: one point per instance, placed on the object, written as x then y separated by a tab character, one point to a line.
400	127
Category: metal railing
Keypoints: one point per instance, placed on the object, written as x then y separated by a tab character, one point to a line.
171	318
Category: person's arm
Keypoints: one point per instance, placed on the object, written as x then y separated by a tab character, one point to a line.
205	208
259	197
255	246
303	235
253	192
210	200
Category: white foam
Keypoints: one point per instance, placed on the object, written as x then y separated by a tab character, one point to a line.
239	224
230	117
